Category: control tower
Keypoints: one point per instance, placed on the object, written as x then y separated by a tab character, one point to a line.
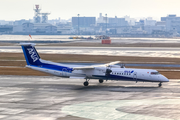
37	15
45	17
37	18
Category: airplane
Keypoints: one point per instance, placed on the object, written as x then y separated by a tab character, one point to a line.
109	71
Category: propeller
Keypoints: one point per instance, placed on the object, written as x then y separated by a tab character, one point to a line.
108	71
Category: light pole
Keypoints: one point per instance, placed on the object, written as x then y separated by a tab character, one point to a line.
78	24
106	24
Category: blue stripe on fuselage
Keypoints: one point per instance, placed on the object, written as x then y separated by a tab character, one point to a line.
54	67
123	78
114	77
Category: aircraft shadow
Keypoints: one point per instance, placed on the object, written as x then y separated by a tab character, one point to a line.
97	87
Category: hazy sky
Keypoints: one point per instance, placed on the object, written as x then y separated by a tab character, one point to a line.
65	9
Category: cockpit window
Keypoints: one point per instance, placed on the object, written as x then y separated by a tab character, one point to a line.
154	73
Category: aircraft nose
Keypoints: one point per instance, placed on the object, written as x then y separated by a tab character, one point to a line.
165	79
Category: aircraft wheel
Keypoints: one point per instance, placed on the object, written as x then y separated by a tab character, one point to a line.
160	84
86	83
101	80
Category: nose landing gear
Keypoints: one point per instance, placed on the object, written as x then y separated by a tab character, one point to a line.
86	83
160	84
101	80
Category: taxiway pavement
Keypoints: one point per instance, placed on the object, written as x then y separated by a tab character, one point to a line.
53	98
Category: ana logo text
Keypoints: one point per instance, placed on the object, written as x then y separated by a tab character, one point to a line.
33	54
128	71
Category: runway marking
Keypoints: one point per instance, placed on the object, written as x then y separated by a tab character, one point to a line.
106	110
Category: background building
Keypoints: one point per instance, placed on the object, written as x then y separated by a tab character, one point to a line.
118	21
131	21
101	19
6	28
168	26
83	21
172	23
149	22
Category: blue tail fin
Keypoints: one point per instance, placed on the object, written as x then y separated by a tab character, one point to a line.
30	54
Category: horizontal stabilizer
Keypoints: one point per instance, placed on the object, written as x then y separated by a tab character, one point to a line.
27	44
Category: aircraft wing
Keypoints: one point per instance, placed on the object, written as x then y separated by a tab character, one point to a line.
112	63
83	68
92	67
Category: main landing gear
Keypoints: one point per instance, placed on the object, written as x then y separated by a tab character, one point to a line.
86	83
101	80
160	84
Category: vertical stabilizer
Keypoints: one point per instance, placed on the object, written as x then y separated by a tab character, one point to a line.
30	54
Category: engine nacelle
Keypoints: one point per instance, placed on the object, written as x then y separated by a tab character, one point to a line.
104	70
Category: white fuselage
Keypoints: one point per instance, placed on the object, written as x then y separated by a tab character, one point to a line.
127	74
109	71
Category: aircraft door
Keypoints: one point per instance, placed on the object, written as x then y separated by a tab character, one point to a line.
64	72
135	76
